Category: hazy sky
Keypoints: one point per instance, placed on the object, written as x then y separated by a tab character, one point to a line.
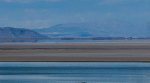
46	13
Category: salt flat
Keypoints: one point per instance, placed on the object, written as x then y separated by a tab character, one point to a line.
79	51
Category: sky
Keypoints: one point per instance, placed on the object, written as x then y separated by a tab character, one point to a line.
46	13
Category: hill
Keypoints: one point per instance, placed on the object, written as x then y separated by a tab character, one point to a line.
103	29
10	34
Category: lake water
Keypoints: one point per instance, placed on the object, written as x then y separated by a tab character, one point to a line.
134	40
74	72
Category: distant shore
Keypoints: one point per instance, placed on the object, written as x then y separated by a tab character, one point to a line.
79	51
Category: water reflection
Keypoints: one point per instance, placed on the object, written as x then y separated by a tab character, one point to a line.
74	72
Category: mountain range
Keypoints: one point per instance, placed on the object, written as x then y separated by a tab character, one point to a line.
77	30
10	34
103	29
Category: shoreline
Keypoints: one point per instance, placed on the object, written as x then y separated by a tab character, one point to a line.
88	51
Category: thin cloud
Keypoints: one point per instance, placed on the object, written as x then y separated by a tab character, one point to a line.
29	1
111	2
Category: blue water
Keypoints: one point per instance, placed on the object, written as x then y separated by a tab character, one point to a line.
135	40
74	72
76	40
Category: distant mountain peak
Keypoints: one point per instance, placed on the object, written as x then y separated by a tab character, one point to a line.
106	28
10	34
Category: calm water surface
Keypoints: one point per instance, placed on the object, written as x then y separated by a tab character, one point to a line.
74	72
134	40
